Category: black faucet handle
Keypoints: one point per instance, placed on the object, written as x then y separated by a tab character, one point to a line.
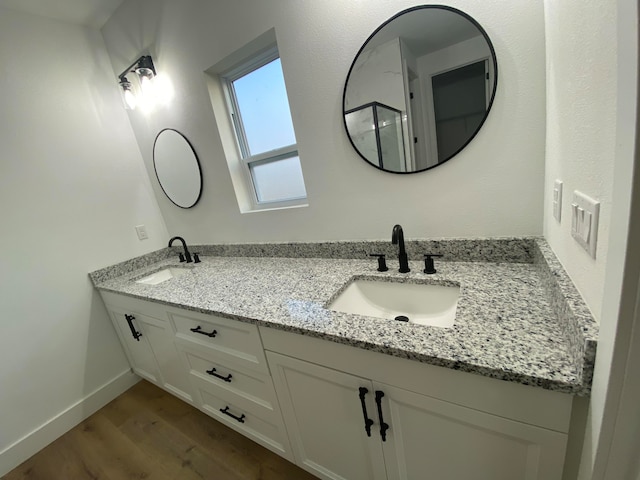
181	257
382	264
196	258
429	266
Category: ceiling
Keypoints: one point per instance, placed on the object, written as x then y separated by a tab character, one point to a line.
91	13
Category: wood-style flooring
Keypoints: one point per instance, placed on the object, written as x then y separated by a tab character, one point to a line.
147	433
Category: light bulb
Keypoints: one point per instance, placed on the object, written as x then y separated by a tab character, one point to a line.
130	99
146	85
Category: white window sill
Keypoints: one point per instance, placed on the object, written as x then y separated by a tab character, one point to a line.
271	209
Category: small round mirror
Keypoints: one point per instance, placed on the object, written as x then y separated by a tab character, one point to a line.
419	89
177	168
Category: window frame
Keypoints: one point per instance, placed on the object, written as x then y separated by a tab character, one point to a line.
246	159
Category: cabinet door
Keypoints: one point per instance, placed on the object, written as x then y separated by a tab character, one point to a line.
151	350
136	347
433	439
174	376
325	420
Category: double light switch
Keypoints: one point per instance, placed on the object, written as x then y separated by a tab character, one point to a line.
584	221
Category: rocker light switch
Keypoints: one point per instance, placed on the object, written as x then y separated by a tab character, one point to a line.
584	221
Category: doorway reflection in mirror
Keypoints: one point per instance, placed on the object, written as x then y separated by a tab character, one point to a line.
435	69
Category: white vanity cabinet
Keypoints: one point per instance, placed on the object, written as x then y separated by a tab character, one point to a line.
214	363
148	340
440	424
342	412
227	368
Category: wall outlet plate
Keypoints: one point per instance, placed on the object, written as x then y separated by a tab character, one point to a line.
141	230
585	212
557	200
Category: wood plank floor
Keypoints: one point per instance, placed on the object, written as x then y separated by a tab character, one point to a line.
147	433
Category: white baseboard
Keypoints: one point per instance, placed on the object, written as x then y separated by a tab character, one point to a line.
33	442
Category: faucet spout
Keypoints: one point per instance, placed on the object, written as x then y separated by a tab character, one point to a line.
187	255
397	238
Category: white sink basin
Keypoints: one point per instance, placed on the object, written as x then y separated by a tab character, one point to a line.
424	304
163	275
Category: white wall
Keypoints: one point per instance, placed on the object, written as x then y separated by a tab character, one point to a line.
581	126
592	75
493	188
72	187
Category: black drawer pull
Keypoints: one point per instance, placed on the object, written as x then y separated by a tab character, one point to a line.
213	372
383	426
199	330
134	332
367	421
225	410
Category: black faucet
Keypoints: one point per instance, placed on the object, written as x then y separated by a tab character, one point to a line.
187	255
397	238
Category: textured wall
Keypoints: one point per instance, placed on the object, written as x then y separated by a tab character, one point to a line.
71	190
581	129
493	188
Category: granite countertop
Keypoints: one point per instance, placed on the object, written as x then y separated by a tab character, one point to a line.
508	323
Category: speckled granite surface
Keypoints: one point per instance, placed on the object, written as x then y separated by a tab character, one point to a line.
520	322
453	249
509	249
579	326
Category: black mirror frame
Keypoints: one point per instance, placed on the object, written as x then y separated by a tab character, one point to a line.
493	93
197	163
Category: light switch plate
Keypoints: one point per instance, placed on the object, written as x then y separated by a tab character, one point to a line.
585	212
141	230
557	200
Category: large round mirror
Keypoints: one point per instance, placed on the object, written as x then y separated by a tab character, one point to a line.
177	168
419	89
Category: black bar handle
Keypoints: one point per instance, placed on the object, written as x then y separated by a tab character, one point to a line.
213	372
383	426
134	332
225	410
367	421
199	330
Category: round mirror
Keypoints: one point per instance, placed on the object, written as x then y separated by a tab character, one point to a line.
177	168
419	89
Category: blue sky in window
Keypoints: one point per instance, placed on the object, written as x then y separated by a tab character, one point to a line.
263	104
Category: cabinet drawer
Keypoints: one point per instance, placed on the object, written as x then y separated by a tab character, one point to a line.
254	386
261	424
238	341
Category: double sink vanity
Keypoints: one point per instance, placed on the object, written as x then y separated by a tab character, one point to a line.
350	372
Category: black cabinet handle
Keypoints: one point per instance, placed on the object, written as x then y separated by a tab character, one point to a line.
134	332
199	330
383	426
367	421
225	410
213	372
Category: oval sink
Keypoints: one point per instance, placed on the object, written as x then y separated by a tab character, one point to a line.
424	304
163	275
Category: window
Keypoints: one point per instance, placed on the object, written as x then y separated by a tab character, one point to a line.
257	101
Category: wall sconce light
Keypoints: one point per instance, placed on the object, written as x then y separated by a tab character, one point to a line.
145	70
